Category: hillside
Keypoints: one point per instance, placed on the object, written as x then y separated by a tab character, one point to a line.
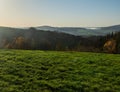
33	39
45	40
46	71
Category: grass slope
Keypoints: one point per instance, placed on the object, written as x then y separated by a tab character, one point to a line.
46	71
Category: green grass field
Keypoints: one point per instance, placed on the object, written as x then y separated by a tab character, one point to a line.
48	71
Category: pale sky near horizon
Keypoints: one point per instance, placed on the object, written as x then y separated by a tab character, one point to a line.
69	13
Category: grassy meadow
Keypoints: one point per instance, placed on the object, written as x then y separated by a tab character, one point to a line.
49	71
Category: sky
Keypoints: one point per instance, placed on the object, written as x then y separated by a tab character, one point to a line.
61	13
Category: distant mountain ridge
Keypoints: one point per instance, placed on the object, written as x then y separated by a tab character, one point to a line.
82	31
77	31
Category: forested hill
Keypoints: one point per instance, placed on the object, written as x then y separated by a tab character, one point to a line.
14	38
45	40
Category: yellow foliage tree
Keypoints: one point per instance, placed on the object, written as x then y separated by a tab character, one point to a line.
110	46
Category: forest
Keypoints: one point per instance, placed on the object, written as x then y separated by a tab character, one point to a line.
33	39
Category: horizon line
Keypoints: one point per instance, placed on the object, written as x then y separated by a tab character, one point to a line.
59	26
